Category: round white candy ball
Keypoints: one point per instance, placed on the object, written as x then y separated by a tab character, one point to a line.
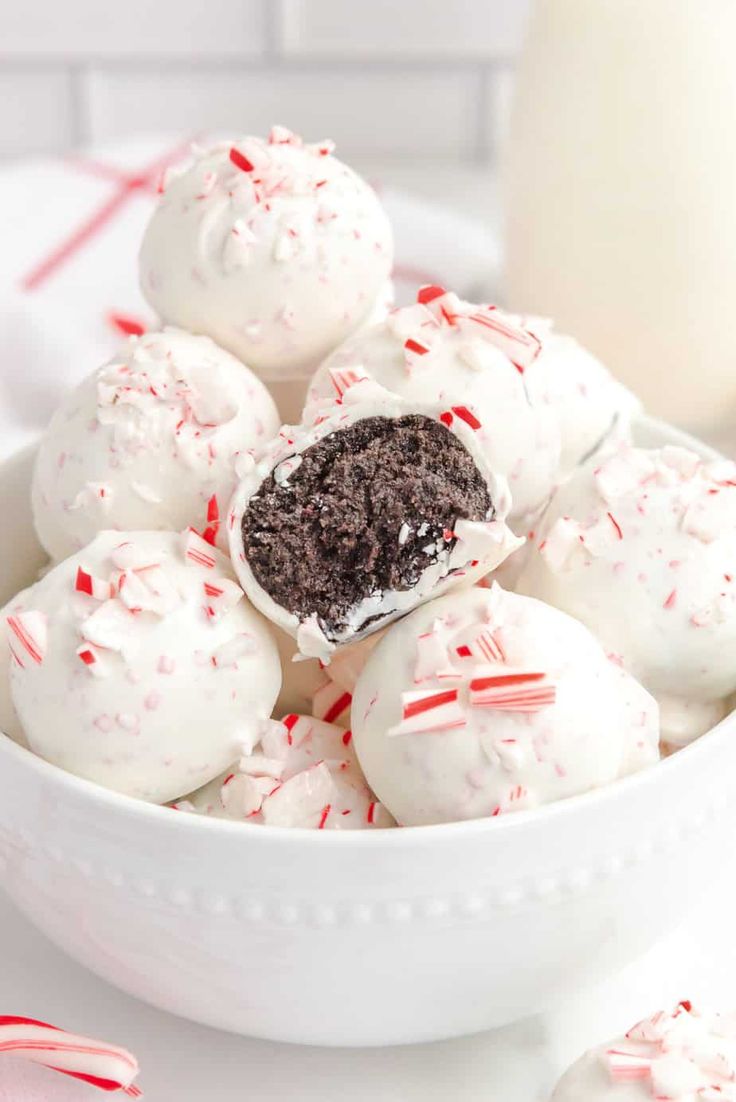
640	546
140	665
149	441
484	702
274	248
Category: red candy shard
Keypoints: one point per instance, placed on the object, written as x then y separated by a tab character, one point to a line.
414	346
429	292
240	160
127	325
467	416
429	710
513	691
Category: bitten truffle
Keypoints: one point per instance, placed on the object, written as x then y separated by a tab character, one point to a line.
353	520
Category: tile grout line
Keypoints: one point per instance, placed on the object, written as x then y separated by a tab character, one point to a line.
78	97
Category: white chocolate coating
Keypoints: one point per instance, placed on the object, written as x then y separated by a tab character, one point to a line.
467	364
304	773
585	399
9	722
154	681
482	544
640	546
278	262
683	1056
148	441
581	723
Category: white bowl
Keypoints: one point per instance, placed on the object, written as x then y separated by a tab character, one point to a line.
365	938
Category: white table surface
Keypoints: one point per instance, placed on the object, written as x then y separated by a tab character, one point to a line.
182	1062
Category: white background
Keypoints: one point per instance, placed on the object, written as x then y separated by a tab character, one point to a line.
389	80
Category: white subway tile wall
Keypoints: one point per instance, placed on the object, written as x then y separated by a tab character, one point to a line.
396	81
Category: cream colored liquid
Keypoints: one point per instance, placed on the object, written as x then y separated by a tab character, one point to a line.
621	193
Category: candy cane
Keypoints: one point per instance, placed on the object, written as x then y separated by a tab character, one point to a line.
463	414
198	551
28	636
93	587
519	691
90	656
213	521
345	377
222	597
101	1065
624	1066
331	703
414	352
521	346
429	710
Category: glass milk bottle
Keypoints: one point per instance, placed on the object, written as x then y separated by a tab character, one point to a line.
620	182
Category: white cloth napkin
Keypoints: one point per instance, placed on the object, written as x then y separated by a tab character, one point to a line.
58	330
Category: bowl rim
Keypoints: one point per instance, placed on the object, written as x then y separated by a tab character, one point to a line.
94	793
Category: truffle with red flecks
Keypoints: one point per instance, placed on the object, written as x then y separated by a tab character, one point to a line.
485	703
274	248
137	663
149	441
640	546
684	1055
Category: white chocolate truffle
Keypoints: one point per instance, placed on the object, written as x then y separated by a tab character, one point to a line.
353	520
149	442
273	248
139	664
640	546
484	703
462	355
9	722
683	1056
304	773
588	403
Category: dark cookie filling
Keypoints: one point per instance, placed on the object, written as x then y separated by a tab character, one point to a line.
368	509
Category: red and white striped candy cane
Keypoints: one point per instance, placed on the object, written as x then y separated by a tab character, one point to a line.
101	1065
